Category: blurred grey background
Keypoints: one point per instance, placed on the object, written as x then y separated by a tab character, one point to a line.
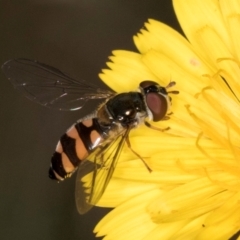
76	36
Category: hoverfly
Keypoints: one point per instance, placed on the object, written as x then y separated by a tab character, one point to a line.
95	142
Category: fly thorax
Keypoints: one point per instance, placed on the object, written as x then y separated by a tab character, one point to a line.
125	108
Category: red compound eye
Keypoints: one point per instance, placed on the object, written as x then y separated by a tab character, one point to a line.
155	100
157	104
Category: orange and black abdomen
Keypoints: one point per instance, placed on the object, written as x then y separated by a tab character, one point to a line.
74	146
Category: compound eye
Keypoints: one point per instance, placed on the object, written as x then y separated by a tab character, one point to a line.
158	105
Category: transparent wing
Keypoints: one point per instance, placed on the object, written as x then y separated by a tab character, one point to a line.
94	174
49	86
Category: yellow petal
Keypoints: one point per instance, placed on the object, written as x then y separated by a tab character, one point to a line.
192	228
128	217
165	231
231	13
167	41
210	117
218	52
168	70
193	190
225	218
174	206
127	72
194	15
119	191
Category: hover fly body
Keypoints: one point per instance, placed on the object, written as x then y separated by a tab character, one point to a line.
94	143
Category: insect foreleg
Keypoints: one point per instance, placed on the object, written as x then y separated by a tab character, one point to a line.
156	128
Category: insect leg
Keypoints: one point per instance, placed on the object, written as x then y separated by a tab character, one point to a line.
156	128
129	145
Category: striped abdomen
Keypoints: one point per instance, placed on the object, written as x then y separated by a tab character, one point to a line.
74	146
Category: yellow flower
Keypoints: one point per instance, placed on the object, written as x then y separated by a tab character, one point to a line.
194	189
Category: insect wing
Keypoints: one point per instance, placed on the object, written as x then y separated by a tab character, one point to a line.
49	86
94	174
